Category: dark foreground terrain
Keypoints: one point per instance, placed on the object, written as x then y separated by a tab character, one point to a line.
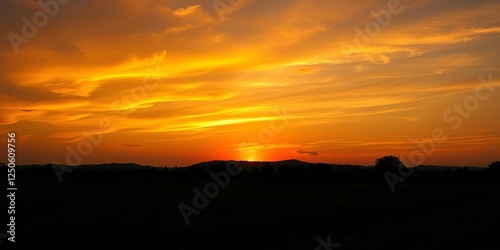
139	209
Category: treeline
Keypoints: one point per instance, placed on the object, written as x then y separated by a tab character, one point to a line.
300	173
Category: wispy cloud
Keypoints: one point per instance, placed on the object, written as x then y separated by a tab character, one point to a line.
308	153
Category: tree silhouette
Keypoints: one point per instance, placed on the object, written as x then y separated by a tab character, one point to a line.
388	163
494	169
495	166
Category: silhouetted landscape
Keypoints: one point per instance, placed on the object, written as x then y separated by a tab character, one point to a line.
268	205
366	124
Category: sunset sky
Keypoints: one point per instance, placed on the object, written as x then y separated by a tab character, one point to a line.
176	82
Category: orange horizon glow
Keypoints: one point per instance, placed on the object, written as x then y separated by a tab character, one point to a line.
179	82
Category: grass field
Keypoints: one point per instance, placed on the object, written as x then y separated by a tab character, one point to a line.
140	214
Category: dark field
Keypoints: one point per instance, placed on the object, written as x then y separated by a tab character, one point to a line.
143	213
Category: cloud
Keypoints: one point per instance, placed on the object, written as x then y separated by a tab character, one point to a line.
225	7
308	153
306	71
129	145
186	11
34	4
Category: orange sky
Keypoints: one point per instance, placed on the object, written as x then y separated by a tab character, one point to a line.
176	82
